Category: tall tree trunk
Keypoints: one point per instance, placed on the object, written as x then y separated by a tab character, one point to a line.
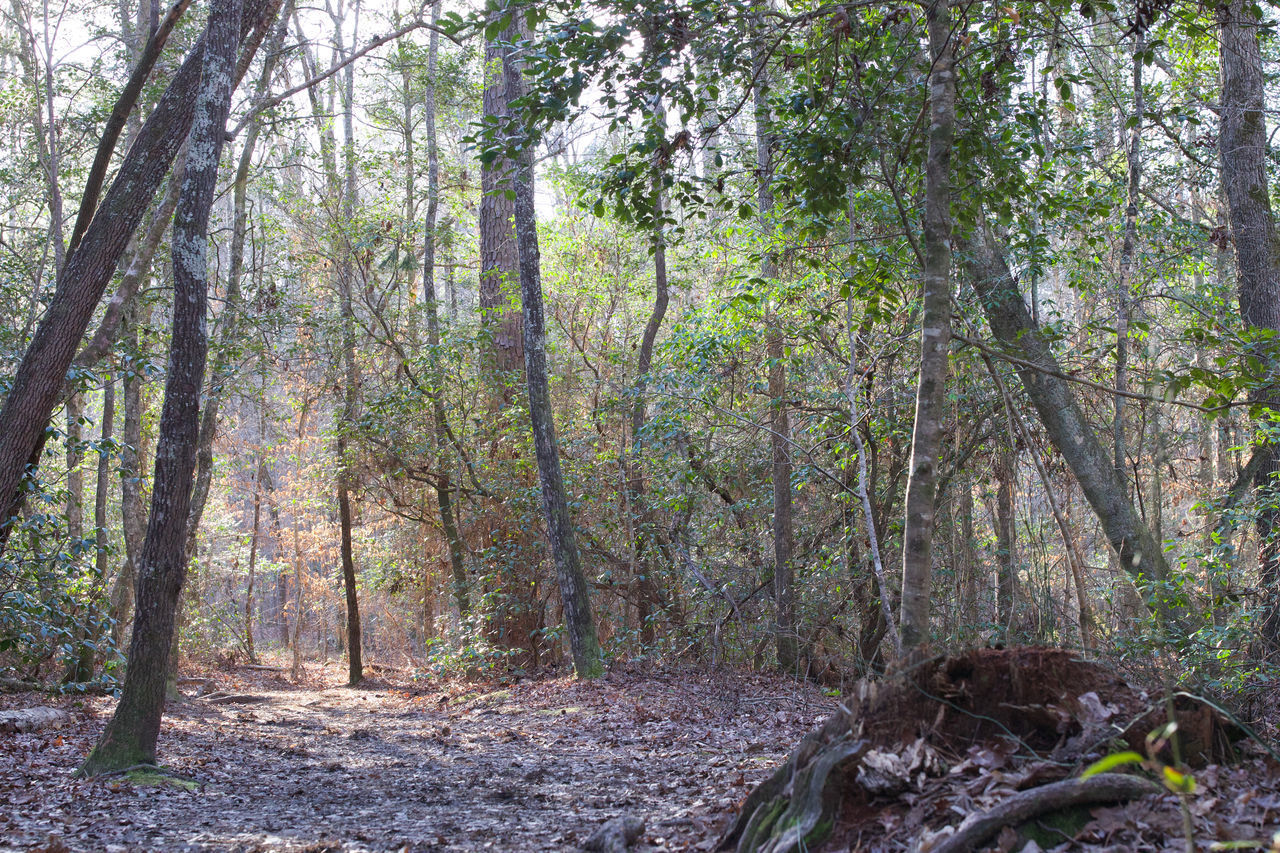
574	593
786	635
647	594
130	736
935	336
1128	248
499	257
1243	146
346	474
228	325
444	486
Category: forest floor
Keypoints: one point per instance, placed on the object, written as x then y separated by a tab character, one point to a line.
412	766
534	765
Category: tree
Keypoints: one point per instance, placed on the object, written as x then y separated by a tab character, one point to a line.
574	593
130	736
935	335
1243	146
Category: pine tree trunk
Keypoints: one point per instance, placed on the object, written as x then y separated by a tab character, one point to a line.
499	257
130	736
917	551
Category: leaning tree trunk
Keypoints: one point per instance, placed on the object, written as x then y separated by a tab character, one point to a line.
1243	145
38	381
935	336
574	594
130	736
1049	390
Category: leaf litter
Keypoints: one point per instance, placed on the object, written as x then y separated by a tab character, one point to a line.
547	764
413	766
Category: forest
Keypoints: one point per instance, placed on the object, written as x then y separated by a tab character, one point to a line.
756	425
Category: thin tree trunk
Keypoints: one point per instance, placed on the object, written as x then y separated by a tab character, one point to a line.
1128	248
648	597
574	593
130	736
444	486
346	474
1075	559
935	336
785	630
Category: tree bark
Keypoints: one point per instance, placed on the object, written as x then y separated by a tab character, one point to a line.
130	736
1243	146
499	256
935	336
574	593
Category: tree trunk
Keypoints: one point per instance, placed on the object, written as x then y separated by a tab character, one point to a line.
1070	432
346	474
499	257
1124	286
935	336
130	736
786	637
574	594
444	486
1244	146
648	597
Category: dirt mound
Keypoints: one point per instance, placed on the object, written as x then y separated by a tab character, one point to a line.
1044	700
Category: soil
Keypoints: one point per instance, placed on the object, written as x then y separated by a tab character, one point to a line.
407	766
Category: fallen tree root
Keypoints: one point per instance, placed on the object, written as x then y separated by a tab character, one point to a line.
1026	805
616	836
794	808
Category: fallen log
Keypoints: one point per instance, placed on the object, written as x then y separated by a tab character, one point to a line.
33	719
233	698
977	829
15	685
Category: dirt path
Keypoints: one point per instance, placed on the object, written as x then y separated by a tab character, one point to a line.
530	766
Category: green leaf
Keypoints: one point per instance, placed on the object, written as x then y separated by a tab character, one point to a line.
1109	762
